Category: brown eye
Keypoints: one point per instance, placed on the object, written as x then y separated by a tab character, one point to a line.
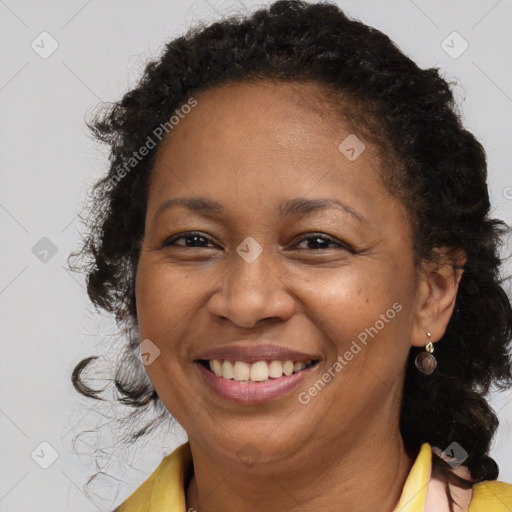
191	240
319	242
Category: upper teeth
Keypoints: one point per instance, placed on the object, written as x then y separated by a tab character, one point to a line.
258	371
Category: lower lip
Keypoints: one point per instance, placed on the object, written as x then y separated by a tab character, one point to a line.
249	392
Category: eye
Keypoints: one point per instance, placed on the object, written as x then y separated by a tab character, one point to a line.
318	241
315	242
193	239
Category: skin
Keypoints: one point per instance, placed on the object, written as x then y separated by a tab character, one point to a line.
249	147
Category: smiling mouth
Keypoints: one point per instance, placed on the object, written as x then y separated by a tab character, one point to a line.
259	371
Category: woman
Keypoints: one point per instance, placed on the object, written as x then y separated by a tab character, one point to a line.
295	234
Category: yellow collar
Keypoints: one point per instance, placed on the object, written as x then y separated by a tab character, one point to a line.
414	493
164	490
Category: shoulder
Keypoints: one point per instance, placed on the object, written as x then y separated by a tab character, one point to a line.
164	488
139	498
486	496
491	496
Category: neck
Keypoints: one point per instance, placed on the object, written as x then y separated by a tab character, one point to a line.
367	472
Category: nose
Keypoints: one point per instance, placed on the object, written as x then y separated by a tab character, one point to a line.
252	292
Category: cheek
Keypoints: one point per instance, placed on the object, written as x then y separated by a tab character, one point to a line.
162	307
162	320
164	299
345	299
361	313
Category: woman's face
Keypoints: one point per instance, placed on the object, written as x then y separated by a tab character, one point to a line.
252	272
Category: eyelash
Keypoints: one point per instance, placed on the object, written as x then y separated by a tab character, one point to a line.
170	241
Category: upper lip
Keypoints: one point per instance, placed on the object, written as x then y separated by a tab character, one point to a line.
254	353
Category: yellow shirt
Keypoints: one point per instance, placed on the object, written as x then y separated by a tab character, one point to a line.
164	490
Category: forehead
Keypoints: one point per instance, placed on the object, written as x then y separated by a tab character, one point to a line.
261	143
265	103
260	122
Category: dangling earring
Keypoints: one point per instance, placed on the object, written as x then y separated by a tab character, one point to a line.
425	361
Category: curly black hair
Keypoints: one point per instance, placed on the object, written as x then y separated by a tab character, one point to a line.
433	165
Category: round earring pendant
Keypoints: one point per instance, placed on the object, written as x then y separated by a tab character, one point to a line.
426	363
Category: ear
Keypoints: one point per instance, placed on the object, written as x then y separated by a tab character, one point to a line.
437	291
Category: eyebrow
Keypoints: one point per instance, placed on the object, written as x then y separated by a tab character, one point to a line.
297	206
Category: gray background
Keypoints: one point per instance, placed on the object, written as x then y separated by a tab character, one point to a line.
48	161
